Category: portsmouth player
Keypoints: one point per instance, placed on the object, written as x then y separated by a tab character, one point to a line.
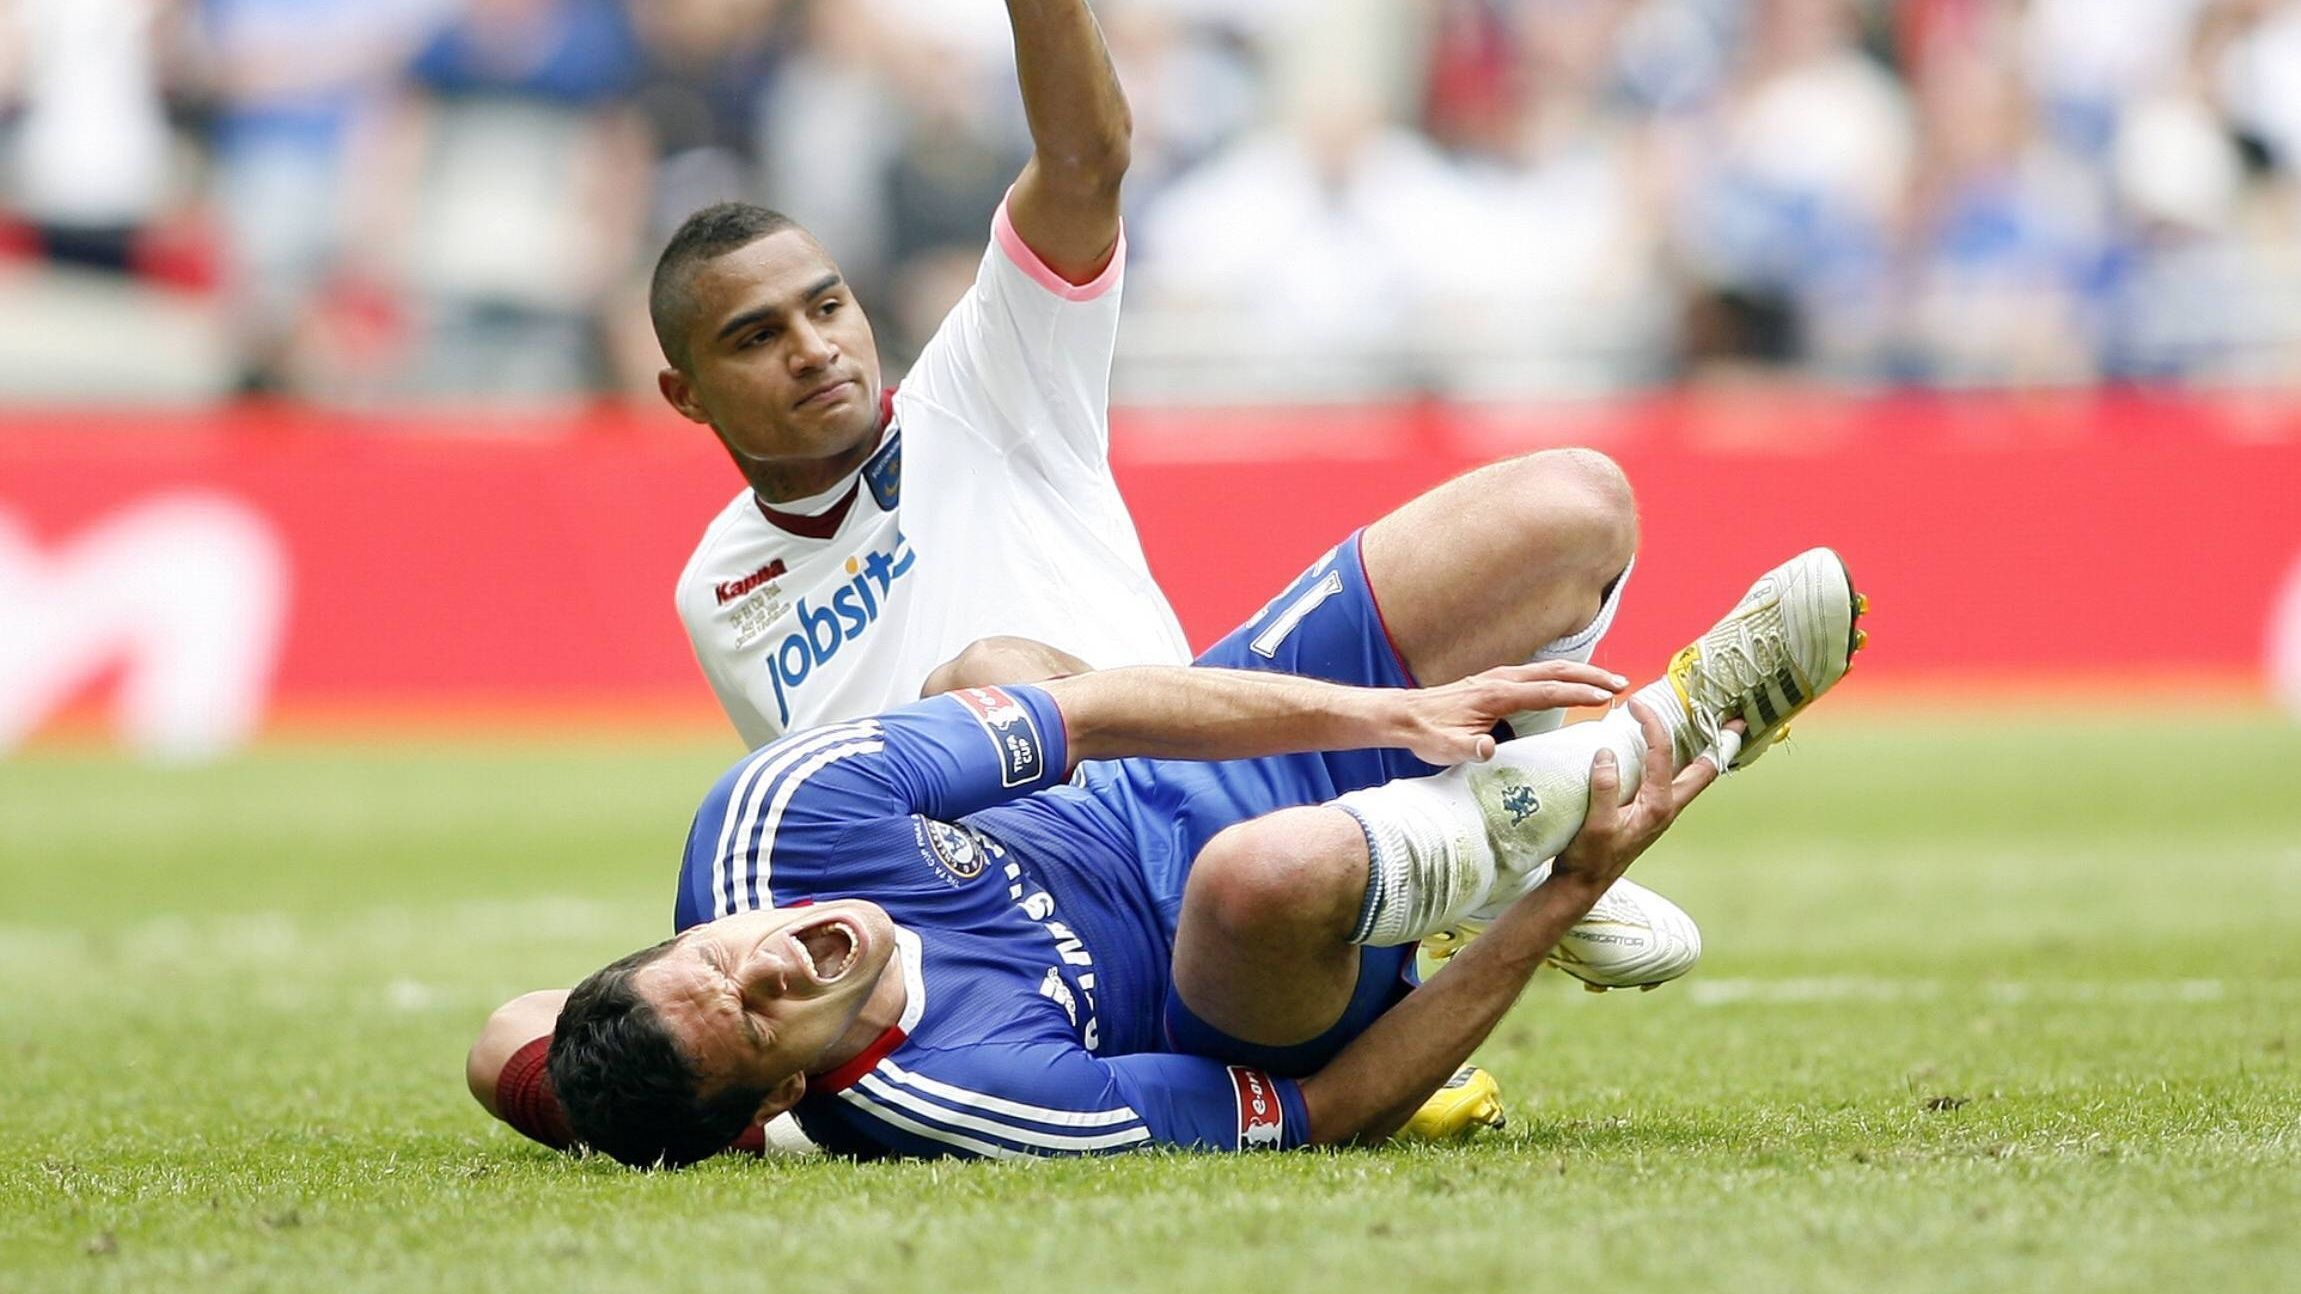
914	935
879	534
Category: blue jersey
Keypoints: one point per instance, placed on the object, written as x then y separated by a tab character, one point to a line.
1040	916
1027	1028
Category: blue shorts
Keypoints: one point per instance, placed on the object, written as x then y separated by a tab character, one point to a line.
1147	820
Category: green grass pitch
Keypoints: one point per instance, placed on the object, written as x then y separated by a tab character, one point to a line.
1989	1004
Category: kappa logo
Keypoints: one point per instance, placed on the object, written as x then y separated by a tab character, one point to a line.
955	849
1261	1115
1012	730
1519	802
729	590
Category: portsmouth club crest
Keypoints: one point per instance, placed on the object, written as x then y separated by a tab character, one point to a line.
957	854
883	472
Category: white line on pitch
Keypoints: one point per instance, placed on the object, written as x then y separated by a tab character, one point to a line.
1784	992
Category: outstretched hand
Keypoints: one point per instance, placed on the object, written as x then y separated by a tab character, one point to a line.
1454	723
1614	833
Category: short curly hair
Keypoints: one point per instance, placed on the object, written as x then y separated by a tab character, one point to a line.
630	1092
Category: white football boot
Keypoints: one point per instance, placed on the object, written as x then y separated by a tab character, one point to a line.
1789	639
1631	938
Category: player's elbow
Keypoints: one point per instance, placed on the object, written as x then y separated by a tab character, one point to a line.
483	1072
509	1027
1113	153
1337	1115
1094	164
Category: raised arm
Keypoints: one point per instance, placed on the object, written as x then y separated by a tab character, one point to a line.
1066	203
1167	712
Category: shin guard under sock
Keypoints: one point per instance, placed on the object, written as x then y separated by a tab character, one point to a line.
1473	838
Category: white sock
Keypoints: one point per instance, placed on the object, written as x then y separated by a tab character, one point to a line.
1578	647
1685	739
1475	837
1662	699
1429	862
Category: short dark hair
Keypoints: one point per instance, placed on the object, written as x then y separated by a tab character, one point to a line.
703	237
628	1089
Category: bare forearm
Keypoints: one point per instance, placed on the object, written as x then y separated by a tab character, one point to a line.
1375	1085
1065	204
1079	120
1168	712
1171	713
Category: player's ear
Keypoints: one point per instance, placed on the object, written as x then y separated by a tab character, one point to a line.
783	1096
679	393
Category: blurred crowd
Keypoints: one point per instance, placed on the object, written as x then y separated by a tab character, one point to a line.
367	201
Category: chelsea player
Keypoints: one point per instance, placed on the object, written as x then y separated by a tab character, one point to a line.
915	935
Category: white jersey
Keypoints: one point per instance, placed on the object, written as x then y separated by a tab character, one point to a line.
989	508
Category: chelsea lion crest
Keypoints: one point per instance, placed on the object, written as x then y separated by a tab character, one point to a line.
955	850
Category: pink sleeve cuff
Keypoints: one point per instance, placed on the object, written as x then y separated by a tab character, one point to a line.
1018	251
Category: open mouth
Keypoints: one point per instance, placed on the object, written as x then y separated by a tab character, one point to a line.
830	948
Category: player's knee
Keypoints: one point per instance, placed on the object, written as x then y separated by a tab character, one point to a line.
1581	502
989	662
967	669
1282	876
1592	473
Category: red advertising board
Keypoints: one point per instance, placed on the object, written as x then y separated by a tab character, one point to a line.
419	564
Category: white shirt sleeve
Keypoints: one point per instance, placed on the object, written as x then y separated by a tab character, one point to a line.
1025	357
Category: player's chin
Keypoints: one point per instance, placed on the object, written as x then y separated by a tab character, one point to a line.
806	434
842	411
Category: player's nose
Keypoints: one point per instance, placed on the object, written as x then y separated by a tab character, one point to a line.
768	968
812	348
